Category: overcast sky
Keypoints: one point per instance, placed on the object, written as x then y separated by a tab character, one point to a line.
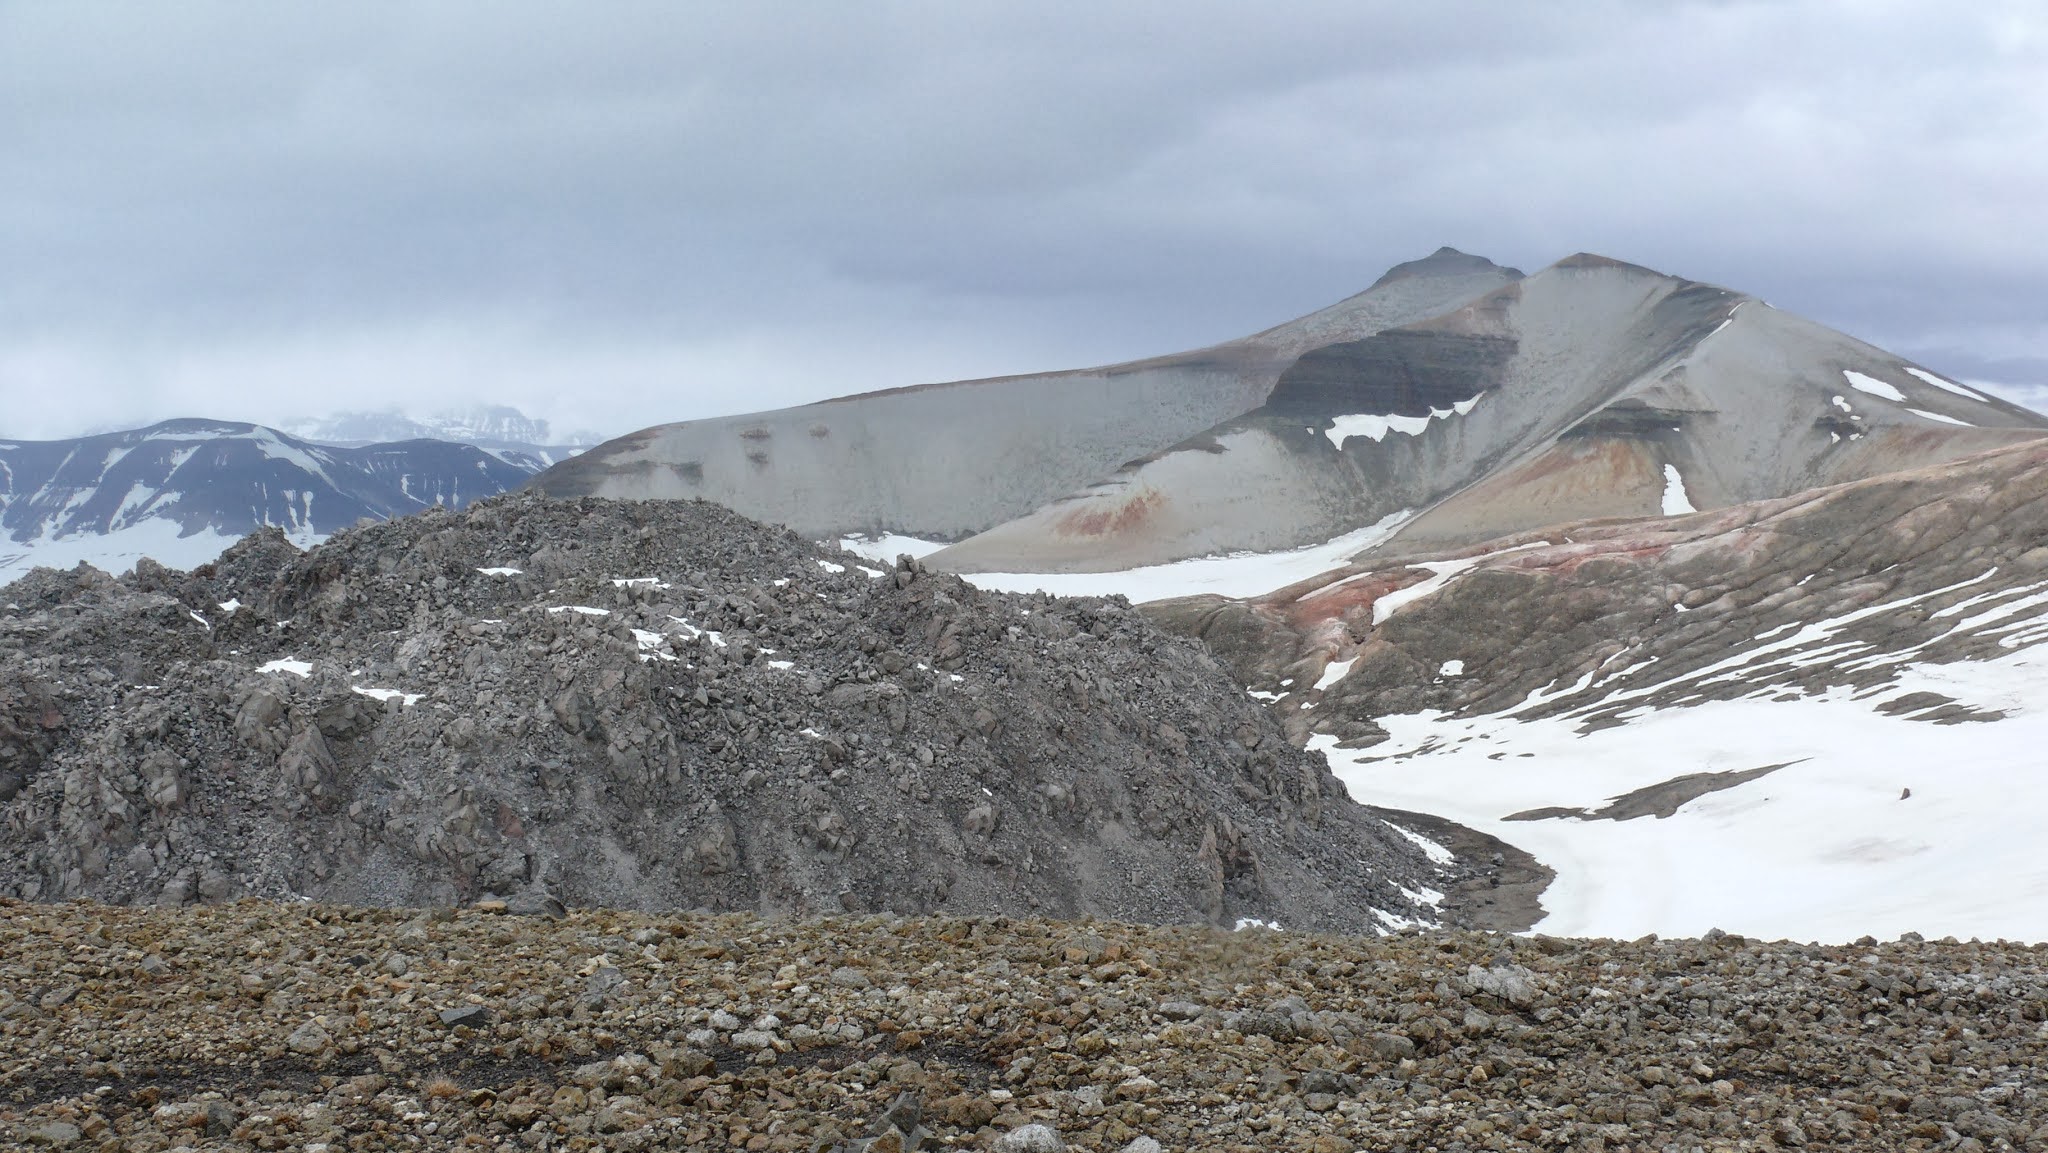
621	214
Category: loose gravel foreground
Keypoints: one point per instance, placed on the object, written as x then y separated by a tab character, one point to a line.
259	1025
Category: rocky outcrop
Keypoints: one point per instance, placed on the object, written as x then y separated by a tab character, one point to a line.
660	705
1838	588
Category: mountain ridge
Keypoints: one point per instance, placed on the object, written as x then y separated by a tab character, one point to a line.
948	460
181	490
1595	382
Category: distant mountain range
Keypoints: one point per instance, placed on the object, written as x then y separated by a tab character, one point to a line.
183	490
501	429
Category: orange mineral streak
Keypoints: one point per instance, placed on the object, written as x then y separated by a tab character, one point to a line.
1348	597
1123	516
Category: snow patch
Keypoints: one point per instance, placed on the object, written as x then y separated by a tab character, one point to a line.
499	571
1376	427
1442	573
1873	386
586	610
652	645
692	632
1437	854
1243	574
886	547
1333	672
1940	417
1946	385
1676	503
285	665
387	694
1451	669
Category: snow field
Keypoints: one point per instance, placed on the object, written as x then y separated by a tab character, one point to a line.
115	552
1245	574
1822	849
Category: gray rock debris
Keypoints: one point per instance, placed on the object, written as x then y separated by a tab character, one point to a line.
1031	1139
666	706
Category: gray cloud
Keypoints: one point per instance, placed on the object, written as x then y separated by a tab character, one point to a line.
652	211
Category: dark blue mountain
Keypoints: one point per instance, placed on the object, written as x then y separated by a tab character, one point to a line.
180	488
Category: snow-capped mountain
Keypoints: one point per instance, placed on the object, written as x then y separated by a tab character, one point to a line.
182	490
501	430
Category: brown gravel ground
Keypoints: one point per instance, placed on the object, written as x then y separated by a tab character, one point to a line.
270	1026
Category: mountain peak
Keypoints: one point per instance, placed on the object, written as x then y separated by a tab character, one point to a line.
1443	261
1593	260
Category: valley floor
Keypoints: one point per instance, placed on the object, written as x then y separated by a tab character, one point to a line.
266	1026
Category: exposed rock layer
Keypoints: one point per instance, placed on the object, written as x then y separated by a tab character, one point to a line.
1837	588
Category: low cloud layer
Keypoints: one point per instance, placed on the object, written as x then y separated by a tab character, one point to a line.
618	216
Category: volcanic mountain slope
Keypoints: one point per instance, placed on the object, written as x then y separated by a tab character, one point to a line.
183	490
947	460
1832	703
1461	398
658	705
1591	388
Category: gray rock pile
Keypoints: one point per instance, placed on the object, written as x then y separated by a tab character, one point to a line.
656	705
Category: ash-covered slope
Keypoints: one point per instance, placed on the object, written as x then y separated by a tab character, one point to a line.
651	704
1591	388
947	460
181	491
